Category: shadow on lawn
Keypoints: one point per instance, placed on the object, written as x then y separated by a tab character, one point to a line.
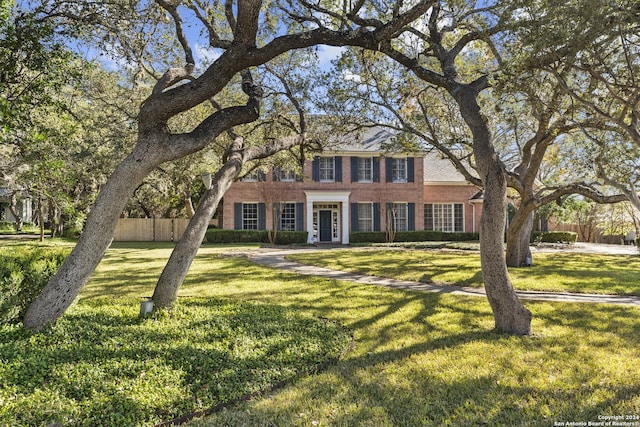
427	359
474	377
432	359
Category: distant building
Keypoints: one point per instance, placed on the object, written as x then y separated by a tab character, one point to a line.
24	206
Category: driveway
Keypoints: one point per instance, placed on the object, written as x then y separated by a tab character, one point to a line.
590	248
276	258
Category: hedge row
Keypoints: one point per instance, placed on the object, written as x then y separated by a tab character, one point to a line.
216	235
554	237
23	274
10	227
412	236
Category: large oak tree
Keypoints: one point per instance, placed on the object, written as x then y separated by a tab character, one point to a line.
244	34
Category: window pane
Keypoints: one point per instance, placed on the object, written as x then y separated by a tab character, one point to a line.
365	217
287	175
444	217
399	170
250	216
327	169
428	217
288	217
252	176
458	217
365	170
400	213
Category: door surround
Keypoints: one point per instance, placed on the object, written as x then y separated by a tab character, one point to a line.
337	197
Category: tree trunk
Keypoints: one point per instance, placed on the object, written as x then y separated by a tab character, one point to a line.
509	314
154	147
177	267
41	218
188	204
65	285
518	239
17	213
185	251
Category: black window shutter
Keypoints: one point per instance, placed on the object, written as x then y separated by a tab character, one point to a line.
354	217
376	217
354	169
338	165
376	169
277	215
411	170
262	176
411	216
275	176
262	216
299	216
315	169
237	216
387	169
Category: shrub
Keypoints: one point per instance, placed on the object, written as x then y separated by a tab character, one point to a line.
291	237
367	237
217	235
9	227
23	274
554	237
413	236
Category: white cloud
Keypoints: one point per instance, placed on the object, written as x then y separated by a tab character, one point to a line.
348	75
328	53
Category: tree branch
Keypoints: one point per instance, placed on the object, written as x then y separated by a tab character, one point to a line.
580	188
177	19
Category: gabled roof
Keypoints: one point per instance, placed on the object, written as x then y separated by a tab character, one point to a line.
437	169
365	140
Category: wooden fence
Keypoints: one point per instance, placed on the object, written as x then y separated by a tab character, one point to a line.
150	229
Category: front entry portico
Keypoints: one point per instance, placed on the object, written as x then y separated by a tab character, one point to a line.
327	214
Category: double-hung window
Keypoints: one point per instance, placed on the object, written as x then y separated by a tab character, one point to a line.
253	176
446	217
327	169
399	216
365	169
287	175
288	217
365	216
399	170
249	216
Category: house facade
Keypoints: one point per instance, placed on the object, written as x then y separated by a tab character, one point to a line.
356	187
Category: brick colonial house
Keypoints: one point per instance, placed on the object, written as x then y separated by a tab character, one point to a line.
356	187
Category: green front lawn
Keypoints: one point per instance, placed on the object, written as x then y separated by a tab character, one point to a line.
416	358
555	272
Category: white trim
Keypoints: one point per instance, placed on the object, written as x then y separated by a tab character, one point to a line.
456	183
326	197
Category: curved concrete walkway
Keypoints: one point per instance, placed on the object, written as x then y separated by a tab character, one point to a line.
276	259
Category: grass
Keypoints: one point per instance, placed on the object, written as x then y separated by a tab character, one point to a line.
417	358
100	364
557	272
